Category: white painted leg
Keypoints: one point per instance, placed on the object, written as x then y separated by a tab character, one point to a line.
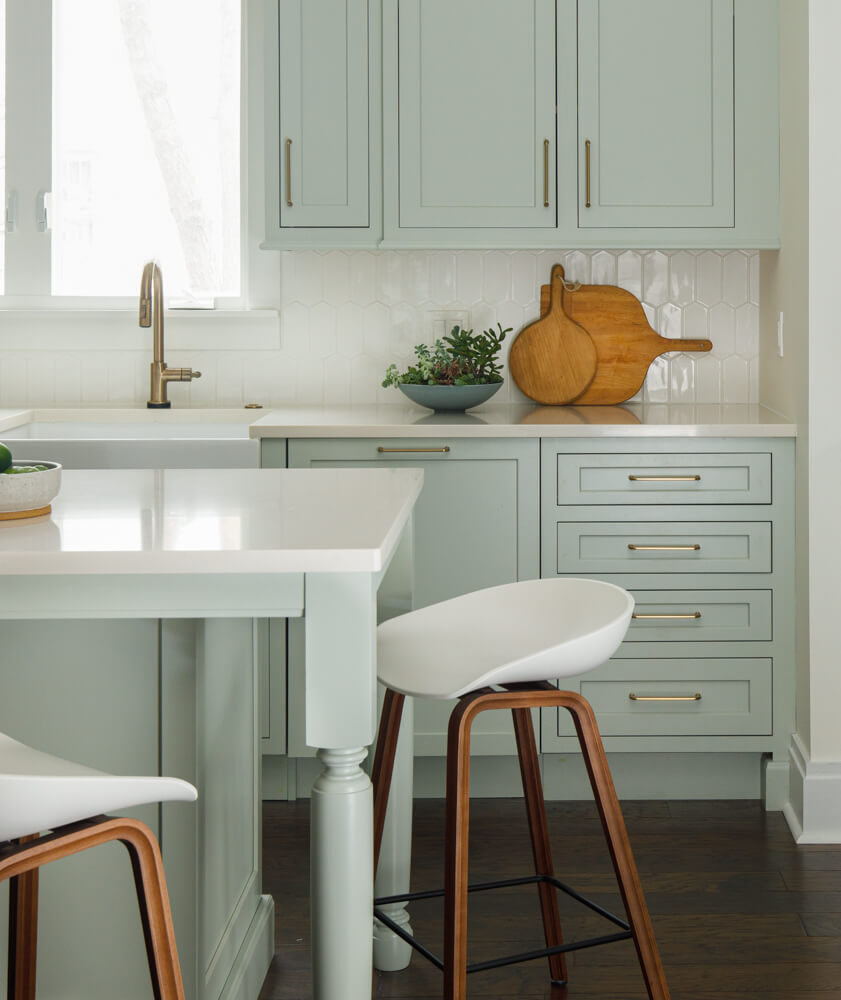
391	953
342	875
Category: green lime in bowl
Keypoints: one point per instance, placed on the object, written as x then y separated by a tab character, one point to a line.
5	457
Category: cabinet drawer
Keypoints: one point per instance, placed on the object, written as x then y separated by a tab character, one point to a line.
664	547
665	479
702	615
735	697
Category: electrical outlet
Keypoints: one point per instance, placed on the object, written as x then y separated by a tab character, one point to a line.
780	335
441	321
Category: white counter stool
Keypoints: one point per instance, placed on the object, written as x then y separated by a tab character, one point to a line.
518	637
39	792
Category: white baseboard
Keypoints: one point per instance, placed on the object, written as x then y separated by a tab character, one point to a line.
252	963
636	776
813	810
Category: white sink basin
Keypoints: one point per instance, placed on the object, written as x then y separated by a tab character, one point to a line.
135	439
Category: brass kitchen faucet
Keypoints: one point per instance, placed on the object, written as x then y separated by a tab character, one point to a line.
152	314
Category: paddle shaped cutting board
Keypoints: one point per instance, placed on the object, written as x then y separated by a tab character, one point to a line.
553	360
625	343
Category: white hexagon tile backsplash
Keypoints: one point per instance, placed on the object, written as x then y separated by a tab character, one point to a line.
347	315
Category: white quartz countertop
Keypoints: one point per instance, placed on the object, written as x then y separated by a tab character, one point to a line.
629	420
525	420
200	521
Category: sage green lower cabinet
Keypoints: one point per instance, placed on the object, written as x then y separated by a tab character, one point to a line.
148	697
476	524
701	532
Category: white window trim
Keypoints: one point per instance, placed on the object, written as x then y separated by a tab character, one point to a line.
28	141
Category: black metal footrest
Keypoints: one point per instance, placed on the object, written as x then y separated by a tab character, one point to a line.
526	956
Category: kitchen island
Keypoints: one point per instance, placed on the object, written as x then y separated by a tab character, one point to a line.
218	550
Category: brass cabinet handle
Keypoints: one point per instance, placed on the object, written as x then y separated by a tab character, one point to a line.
545	173
665	479
289	173
663	548
691	614
587	173
665	697
413	451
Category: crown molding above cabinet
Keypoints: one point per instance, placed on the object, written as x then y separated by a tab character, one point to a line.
427	124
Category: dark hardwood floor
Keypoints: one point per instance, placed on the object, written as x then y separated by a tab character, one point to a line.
739	910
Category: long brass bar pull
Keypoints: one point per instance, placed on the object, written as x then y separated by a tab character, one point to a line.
691	614
412	451
663	548
665	697
289	173
545	173
587	173
665	479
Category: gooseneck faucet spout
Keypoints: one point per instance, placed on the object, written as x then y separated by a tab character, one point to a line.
152	314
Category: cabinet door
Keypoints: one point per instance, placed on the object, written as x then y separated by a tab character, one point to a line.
476	86
655	115
323	79
475	525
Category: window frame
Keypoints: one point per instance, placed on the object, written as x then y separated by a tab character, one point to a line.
29	172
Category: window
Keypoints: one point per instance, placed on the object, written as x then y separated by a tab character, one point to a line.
134	141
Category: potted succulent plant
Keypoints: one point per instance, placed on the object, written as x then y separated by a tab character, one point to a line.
461	371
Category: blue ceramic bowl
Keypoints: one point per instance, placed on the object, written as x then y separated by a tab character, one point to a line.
449	397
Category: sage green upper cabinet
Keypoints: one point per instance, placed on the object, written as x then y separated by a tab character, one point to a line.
655	112
323	122
470	115
677	127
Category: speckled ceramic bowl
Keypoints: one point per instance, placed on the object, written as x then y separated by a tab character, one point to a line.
29	490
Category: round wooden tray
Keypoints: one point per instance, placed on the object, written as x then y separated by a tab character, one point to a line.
17	515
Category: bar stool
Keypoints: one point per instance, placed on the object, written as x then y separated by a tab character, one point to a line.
516	637
39	792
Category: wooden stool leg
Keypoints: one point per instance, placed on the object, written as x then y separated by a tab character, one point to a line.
155	913
539	831
23	933
456	854
619	845
383	766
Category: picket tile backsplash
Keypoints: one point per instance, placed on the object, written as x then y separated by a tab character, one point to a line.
346	315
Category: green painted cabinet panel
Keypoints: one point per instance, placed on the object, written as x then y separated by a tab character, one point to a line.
679	697
476	98
600	547
656	113
322	119
664	479
700	615
87	691
476	524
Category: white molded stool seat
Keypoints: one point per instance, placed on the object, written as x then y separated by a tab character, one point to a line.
533	630
40	792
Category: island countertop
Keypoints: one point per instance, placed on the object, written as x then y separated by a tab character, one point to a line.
205	521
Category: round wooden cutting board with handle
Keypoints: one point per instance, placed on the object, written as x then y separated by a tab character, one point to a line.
553	360
625	343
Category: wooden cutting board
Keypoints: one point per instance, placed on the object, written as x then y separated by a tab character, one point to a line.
625	343
553	360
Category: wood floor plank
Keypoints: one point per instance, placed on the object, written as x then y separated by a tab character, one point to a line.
740	911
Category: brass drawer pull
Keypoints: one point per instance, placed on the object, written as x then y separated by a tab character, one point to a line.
665	479
289	173
587	173
665	697
692	614
545	173
413	451
663	548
